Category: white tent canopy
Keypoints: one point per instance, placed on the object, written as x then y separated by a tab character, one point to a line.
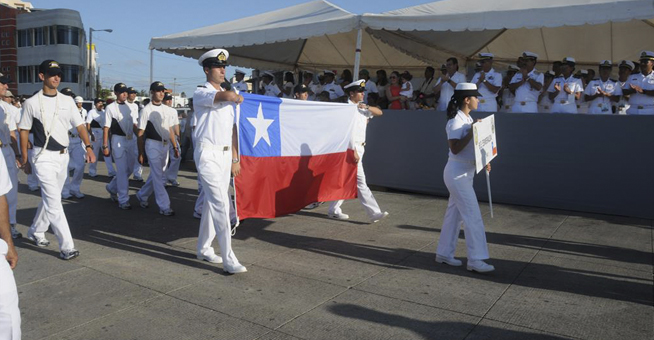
314	35
318	35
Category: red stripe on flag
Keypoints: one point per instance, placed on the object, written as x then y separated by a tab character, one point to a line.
274	186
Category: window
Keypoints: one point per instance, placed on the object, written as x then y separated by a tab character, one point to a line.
68	35
25	74
52	33
70	73
24	38
39	36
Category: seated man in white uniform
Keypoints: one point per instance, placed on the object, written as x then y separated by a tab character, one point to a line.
527	84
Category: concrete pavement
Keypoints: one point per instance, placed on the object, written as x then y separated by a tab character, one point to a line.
559	275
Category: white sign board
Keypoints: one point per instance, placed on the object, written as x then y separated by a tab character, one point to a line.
485	142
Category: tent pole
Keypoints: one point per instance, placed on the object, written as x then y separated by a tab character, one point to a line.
357	56
151	69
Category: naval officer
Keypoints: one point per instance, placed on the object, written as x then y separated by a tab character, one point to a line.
76	162
526	84
603	92
216	156
94	124
489	83
240	84
640	87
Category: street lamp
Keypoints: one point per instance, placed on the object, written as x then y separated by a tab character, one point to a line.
91	30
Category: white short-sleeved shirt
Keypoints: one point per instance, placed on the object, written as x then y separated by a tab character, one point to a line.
160	117
545	103
241	86
335	90
447	90
123	114
135	111
5	182
39	116
525	93
213	121
457	128
602	105
288	86
508	99
316	89
646	83
8	123
97	116
272	90
407	90
360	124
492	77
564	102
371	87
83	114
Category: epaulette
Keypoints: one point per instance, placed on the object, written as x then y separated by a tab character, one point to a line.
202	86
613	80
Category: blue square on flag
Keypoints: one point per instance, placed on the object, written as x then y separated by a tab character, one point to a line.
259	126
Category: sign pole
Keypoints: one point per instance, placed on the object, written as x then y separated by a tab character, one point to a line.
490	200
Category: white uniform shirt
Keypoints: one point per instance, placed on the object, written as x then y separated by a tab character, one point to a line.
161	118
371	87
545	104
646	83
288	86
564	102
360	124
447	90
95	115
82	113
457	128
602	105
508	98
135	111
240	85
272	90
525	93
8	123
623	103
122	113
335	90
41	108
492	77
213	121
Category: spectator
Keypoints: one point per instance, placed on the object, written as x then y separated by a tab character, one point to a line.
346	78
448	82
544	101
269	87
566	89
508	96
393	91
382	83
406	92
601	93
372	93
425	97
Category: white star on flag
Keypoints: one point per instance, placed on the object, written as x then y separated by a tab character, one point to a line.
261	127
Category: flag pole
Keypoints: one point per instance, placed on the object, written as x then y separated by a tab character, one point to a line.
233	180
490	199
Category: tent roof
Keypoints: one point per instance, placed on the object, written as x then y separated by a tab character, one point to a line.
475	15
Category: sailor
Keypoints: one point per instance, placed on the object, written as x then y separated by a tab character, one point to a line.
544	101
49	114
334	90
216	156
94	124
355	92
269	87
624	73
240	84
137	174
170	175
372	93
489	83
446	84
458	174
11	156
601	93
154	137
508	97
119	121
565	90
640	87
527	84
76	162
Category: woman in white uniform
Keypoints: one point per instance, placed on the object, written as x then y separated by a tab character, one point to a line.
458	174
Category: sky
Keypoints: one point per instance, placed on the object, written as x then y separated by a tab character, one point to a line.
123	55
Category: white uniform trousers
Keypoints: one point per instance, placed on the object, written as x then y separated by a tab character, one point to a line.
50	169
12	169
173	166
524	107
157	153
97	149
365	195
9	312
76	165
640	110
199	203
138	168
122	151
487	105
214	165
32	181
462	207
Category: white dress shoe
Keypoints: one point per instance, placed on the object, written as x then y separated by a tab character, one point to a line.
448	260
479	267
213	258
239	268
339	216
378	217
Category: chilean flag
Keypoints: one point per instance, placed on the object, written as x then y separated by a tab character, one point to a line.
293	153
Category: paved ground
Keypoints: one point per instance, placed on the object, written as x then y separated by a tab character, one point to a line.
559	275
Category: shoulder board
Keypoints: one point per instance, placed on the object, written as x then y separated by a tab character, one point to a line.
202	86
613	80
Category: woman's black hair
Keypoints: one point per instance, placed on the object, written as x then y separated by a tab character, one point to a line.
383	80
455	105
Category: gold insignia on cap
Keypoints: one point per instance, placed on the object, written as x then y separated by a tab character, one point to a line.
54	64
221	57
363	84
